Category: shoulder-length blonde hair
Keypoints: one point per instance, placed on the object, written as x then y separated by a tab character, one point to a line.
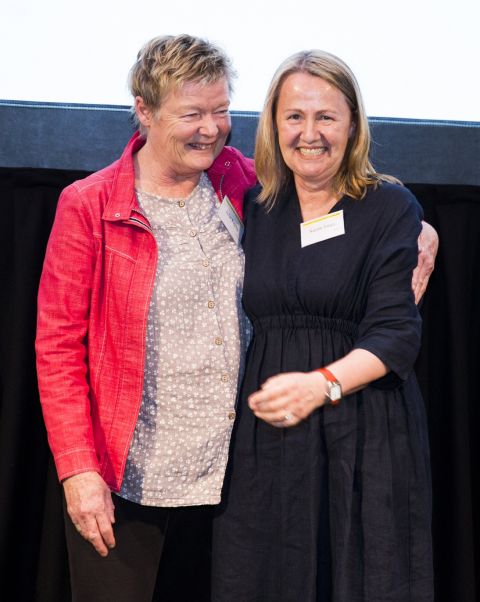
355	172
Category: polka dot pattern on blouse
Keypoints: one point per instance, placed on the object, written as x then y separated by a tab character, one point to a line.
197	335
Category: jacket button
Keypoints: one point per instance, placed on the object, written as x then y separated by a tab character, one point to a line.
227	163
117	214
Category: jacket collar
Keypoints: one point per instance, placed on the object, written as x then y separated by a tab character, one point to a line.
232	175
122	200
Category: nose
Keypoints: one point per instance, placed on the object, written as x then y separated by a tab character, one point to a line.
209	126
311	130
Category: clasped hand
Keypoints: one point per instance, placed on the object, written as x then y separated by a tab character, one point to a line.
286	399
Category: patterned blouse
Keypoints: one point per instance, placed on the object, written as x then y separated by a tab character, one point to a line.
197	334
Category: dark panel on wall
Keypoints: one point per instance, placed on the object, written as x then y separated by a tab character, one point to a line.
88	137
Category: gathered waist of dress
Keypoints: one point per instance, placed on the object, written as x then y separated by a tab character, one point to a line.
308	321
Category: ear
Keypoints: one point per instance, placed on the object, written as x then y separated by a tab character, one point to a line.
143	113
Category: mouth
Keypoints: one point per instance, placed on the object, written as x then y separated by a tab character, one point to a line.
201	147
312	151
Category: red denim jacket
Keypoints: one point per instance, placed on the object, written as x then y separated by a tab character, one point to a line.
93	305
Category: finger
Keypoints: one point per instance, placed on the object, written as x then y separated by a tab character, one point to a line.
106	530
418	282
89	530
97	542
110	508
264	397
422	288
272	404
415	278
282	418
283	404
417	291
94	537
300	412
271	384
279	380
77	527
275	388
422	281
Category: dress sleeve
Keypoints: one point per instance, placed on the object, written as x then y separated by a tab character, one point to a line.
391	324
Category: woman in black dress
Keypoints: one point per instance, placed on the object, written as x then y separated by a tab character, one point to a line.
328	493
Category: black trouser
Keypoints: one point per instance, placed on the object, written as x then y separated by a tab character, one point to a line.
132	571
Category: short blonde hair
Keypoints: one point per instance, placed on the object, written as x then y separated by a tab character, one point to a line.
166	62
356	172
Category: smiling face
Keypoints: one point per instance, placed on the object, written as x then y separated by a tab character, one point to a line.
190	128
314	123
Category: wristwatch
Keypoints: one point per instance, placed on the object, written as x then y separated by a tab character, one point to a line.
334	388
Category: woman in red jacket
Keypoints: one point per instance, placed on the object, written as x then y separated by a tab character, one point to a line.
141	334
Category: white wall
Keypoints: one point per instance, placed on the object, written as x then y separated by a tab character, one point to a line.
413	58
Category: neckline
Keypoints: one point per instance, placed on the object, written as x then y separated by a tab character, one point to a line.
175	199
295	203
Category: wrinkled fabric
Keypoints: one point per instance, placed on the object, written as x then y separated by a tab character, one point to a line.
338	508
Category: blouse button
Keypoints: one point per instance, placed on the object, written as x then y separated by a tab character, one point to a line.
181	203
225	378
231	415
218	341
205	263
211	305
193	233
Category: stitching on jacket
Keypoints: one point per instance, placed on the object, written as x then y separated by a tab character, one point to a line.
104	338
124	255
75	450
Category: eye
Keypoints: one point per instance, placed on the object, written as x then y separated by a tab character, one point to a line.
191	116
325	118
294	117
222	112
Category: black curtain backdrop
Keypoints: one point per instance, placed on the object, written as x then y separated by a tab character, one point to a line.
32	549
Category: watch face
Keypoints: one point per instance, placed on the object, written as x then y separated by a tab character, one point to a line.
335	391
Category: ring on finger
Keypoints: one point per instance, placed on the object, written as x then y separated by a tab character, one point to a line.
288	417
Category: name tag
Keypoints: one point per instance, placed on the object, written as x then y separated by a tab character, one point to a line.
322	228
231	220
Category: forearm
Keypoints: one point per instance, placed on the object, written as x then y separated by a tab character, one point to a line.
287	398
356	370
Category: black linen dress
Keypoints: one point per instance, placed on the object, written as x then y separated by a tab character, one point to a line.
337	508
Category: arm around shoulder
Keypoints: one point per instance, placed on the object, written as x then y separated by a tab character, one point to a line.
428	242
